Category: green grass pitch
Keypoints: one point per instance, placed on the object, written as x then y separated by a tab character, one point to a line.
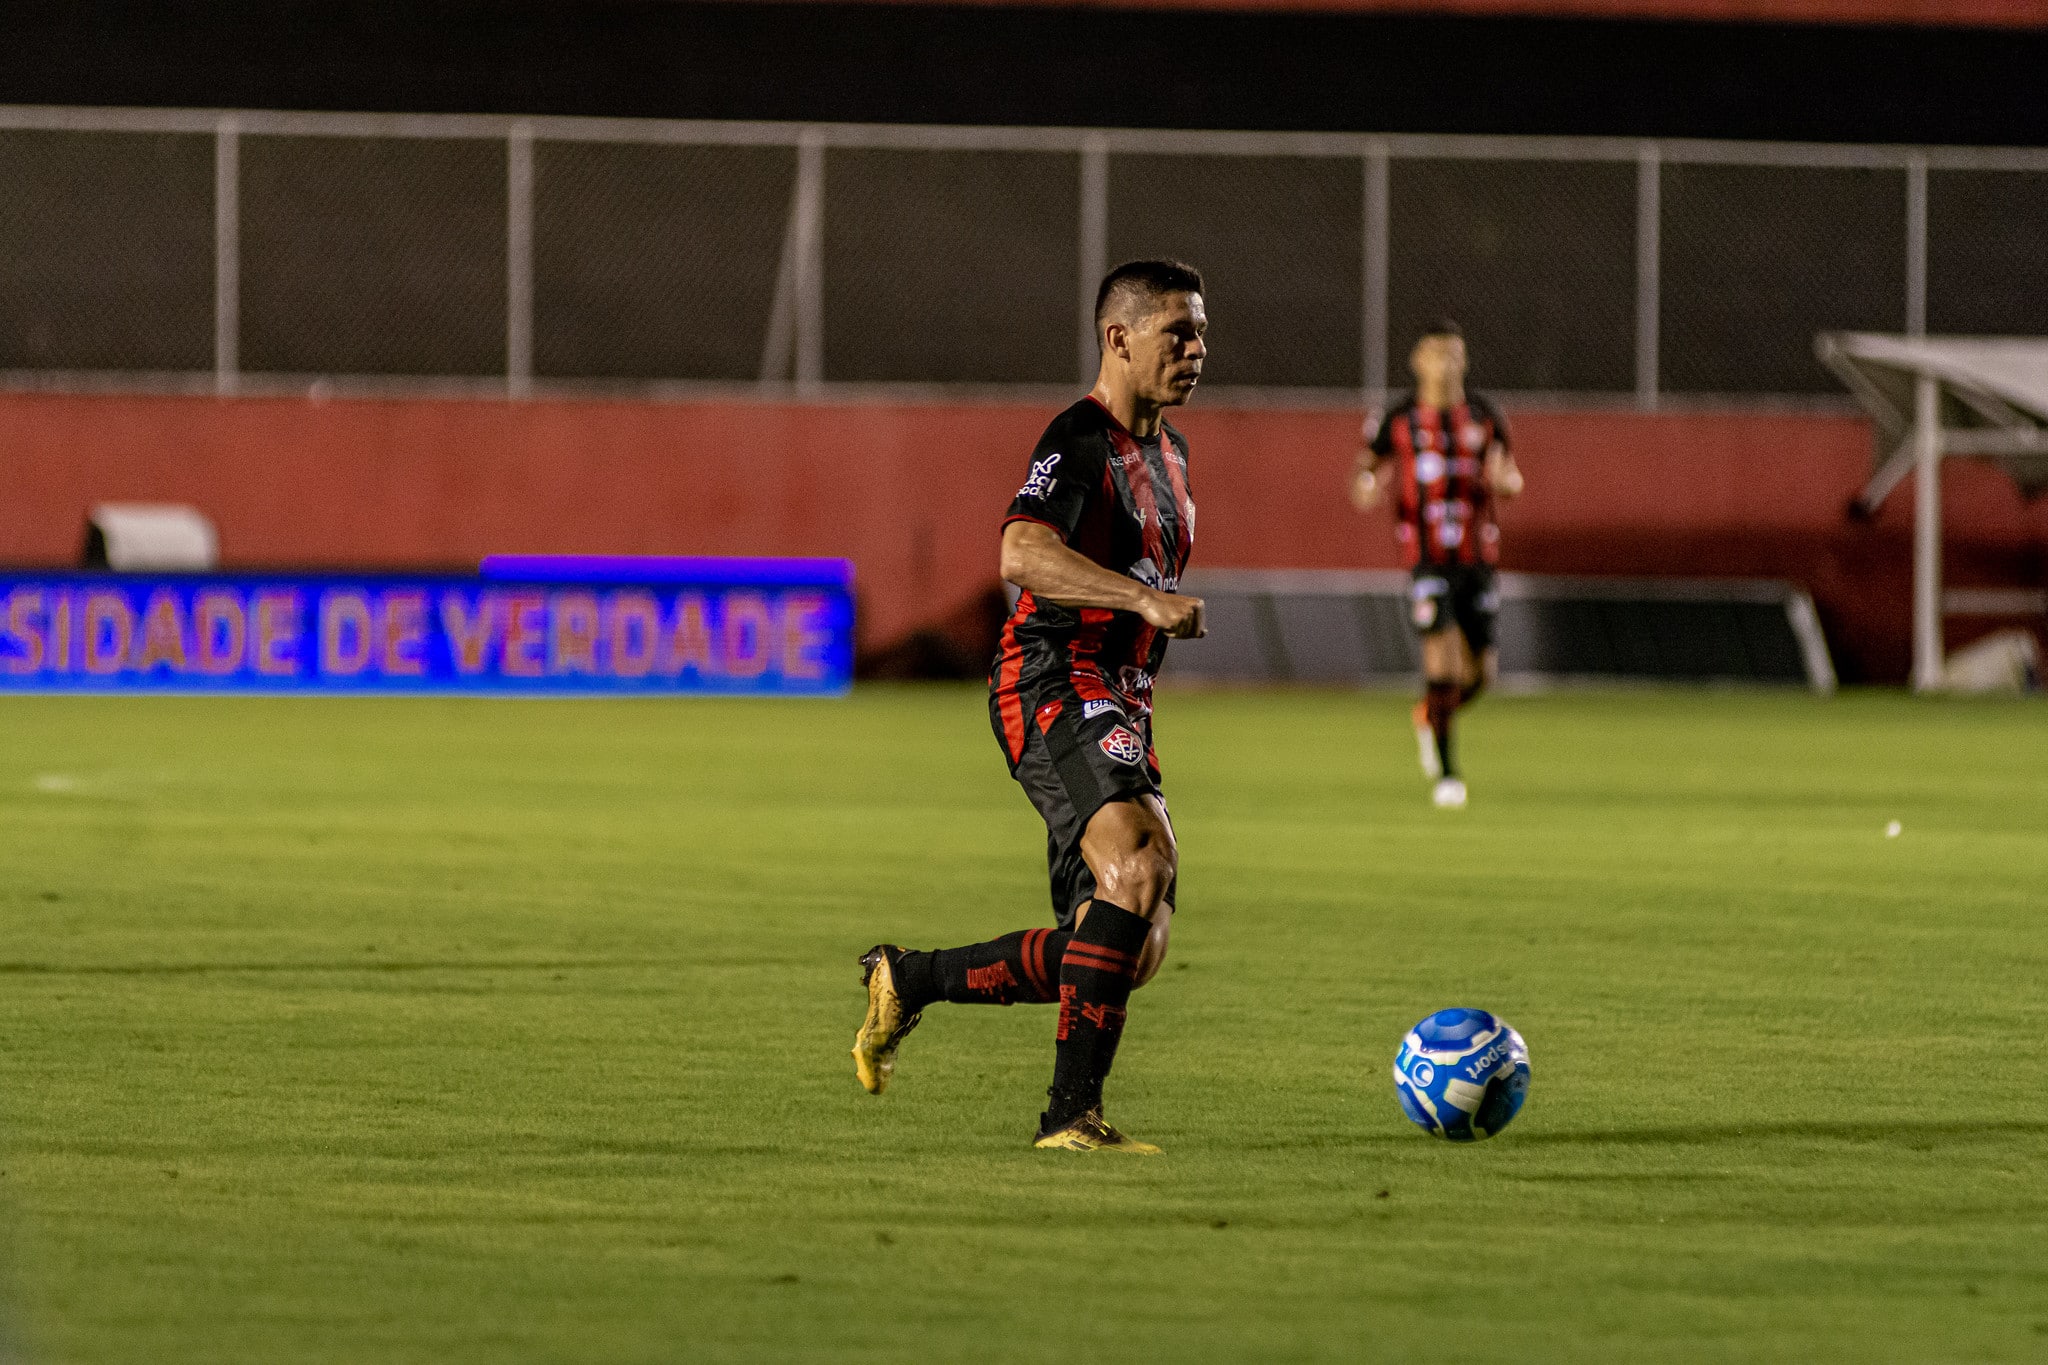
485	1031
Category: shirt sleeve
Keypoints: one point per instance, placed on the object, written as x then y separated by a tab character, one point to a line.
1066	474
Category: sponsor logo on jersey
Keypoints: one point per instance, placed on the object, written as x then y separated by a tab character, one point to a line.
1090	710
1041	482
1443	509
1430	466
1123	746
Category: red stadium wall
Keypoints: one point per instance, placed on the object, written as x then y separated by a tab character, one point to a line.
911	493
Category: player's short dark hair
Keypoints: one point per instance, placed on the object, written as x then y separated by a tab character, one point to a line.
1442	327
1136	281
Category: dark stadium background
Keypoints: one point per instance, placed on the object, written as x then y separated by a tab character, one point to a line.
1734	489
1532	67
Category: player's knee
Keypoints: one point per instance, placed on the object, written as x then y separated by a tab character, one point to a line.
1138	879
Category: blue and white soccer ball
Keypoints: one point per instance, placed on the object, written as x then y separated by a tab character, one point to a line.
1462	1074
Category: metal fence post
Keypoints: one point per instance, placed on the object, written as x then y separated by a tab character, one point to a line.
1373	310
1916	244
1094	249
810	257
519	261
1649	272
1929	647
227	255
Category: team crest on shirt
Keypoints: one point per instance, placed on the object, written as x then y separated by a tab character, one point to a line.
1429	466
1123	746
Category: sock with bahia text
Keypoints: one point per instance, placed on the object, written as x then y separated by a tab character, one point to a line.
1096	976
1019	968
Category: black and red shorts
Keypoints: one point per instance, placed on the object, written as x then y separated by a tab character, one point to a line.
1466	596
1078	756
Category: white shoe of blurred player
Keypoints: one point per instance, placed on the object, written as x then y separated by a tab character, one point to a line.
1425	743
1449	794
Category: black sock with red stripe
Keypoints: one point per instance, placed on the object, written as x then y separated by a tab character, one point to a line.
1096	976
1019	968
1440	702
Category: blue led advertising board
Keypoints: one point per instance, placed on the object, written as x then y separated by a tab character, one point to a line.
533	625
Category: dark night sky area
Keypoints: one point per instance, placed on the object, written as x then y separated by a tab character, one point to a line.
928	64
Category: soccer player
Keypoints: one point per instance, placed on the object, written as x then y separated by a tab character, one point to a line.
1096	542
1442	457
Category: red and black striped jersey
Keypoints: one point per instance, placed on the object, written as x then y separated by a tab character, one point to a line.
1124	503
1443	510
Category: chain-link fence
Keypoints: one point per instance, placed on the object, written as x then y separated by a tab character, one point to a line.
251	252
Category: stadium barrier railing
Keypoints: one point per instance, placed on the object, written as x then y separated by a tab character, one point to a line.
240	251
1350	628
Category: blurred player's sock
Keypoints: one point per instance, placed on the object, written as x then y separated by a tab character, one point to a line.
1440	701
1018	968
1096	975
1425	742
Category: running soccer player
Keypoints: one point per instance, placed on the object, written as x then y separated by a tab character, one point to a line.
1442	455
1096	542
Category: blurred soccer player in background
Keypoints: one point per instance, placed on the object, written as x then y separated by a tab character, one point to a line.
1441	456
1096	542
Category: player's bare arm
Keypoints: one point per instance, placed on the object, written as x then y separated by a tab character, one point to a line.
1368	481
1038	561
1503	475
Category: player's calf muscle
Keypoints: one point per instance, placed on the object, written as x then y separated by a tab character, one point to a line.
1153	955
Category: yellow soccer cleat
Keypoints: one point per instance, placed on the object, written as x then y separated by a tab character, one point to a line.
1090	1132
874	1047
